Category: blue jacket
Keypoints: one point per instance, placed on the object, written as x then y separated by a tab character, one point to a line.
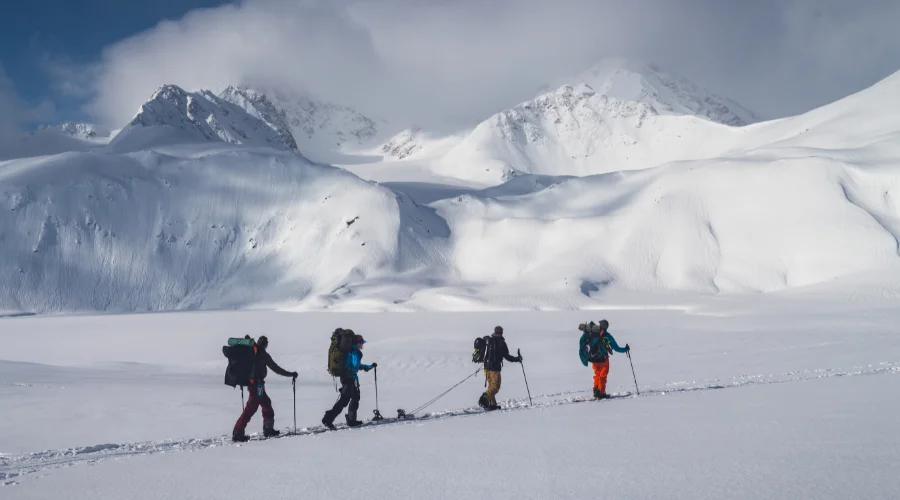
599	342
353	363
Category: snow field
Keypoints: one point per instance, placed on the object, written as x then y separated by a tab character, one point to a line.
742	398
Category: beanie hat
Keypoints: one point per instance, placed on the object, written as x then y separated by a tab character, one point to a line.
498	330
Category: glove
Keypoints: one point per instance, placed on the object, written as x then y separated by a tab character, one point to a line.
519	359
627	348
367	368
294	375
374	365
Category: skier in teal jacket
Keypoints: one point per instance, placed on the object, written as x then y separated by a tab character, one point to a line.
349	393
595	347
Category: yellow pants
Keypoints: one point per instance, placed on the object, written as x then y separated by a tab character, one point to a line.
493	381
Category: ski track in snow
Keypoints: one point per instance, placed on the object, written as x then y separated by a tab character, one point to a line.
13	467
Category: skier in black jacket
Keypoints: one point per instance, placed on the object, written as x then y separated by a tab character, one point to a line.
258	396
495	352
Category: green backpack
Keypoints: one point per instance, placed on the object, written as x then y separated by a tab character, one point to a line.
341	344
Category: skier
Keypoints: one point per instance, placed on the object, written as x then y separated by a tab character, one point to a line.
495	352
349	393
258	396
595	346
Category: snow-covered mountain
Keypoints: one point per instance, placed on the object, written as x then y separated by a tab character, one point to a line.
315	125
173	115
666	93
405	144
82	130
220	222
576	130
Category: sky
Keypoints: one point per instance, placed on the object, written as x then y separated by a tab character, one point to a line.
429	62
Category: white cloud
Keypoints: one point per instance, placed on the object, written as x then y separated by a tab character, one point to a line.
430	61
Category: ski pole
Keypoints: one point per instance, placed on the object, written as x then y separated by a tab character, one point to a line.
525	377
628	352
376	411
294	386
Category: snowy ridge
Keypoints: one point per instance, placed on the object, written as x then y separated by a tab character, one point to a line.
316	125
664	92
577	131
173	115
80	130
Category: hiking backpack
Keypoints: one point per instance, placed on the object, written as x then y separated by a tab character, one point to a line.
599	353
241	354
478	353
341	344
484	350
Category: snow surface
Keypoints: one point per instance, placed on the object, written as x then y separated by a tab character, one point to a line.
564	202
775	396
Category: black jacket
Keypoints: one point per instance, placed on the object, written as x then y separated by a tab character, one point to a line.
500	352
264	361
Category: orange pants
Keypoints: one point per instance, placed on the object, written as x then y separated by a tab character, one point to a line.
601	371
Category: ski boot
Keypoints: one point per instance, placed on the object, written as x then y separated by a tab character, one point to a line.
483	402
239	438
597	393
328	423
269	429
351	420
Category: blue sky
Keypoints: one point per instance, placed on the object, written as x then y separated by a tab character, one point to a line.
33	31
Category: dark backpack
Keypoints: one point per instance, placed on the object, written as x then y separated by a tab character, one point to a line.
241	354
478	353
341	344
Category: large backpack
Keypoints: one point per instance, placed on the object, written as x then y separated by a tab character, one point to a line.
478	353
485	350
241	354
341	344
600	352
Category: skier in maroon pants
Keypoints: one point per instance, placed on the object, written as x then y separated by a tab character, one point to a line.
258	396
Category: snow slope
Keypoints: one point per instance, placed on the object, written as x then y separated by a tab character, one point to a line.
173	115
750	398
317	126
210	228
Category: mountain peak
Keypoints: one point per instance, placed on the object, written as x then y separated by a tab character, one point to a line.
667	93
174	115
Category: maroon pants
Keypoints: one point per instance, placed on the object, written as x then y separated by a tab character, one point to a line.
254	402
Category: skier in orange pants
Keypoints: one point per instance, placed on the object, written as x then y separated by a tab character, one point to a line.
595	347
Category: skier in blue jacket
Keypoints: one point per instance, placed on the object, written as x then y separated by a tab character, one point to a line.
349	393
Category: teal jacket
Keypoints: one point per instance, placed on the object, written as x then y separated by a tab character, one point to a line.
353	363
600	342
